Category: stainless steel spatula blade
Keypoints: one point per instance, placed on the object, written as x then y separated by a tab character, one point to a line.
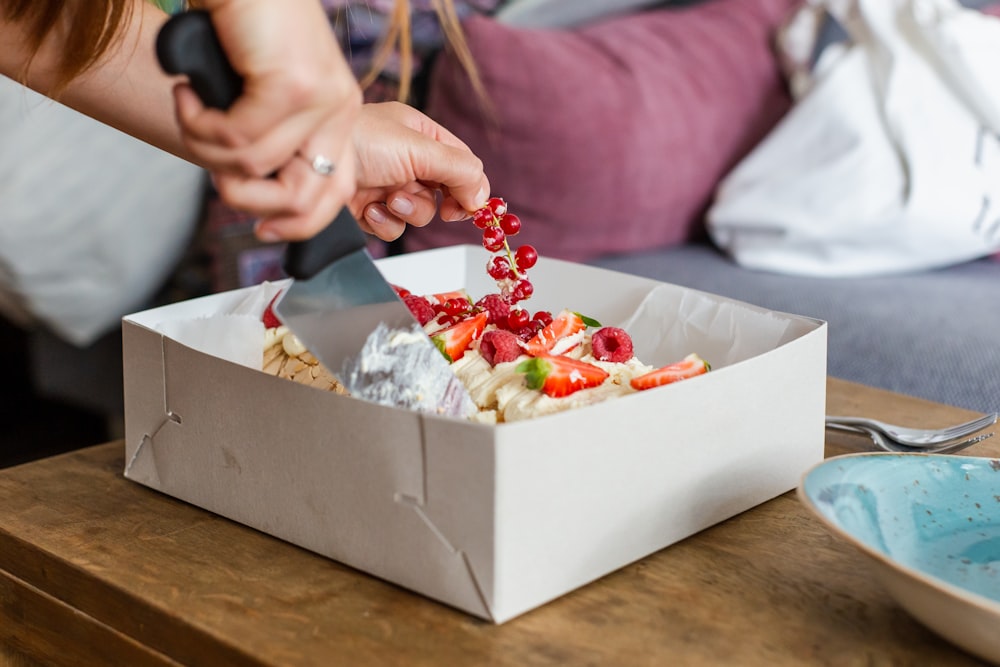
352	320
339	304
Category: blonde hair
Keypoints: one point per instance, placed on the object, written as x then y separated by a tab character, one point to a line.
397	39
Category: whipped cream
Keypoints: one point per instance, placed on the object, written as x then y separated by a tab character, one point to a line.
499	392
501	389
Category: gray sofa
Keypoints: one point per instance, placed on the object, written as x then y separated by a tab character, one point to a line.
931	334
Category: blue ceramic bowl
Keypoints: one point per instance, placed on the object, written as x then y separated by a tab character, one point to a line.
932	525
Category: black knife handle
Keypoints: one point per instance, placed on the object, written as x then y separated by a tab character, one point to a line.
187	44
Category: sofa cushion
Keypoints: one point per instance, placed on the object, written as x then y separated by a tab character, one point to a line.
632	119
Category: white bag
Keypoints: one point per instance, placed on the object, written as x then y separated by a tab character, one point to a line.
890	160
92	220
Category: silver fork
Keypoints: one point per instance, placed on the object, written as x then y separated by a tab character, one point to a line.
950	447
912	437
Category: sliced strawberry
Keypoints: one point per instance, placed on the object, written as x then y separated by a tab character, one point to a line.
564	325
560	376
269	318
691	366
455	340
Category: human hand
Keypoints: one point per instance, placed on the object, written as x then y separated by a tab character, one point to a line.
299	100
404	160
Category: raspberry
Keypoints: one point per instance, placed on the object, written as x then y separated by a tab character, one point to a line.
611	344
420	307
497	308
498	346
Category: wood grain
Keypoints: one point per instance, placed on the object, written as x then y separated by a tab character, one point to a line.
95	569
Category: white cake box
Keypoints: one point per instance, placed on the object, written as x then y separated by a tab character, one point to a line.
494	520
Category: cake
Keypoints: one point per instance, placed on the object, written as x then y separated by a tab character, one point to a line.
514	364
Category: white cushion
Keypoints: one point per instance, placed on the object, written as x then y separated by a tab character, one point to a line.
91	220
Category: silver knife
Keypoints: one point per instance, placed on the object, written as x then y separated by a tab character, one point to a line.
339	304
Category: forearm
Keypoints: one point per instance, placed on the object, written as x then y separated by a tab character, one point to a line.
126	89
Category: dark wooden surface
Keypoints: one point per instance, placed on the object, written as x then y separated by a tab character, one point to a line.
35	425
95	569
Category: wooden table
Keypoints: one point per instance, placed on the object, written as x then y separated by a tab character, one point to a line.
95	569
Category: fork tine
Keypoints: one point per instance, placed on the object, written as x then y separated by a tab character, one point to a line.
975	424
948	447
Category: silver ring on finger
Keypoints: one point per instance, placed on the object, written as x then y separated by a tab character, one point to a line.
321	164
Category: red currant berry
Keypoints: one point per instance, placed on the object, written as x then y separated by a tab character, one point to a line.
517	319
525	257
493	238
401	291
526	333
522	290
497	206
543	316
483	217
510	224
498	267
455	306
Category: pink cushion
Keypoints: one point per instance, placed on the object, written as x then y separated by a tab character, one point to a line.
612	137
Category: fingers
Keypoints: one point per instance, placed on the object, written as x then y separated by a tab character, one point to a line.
414	205
274	178
297	202
217	141
378	220
397	144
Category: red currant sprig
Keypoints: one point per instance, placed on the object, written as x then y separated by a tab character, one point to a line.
509	269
